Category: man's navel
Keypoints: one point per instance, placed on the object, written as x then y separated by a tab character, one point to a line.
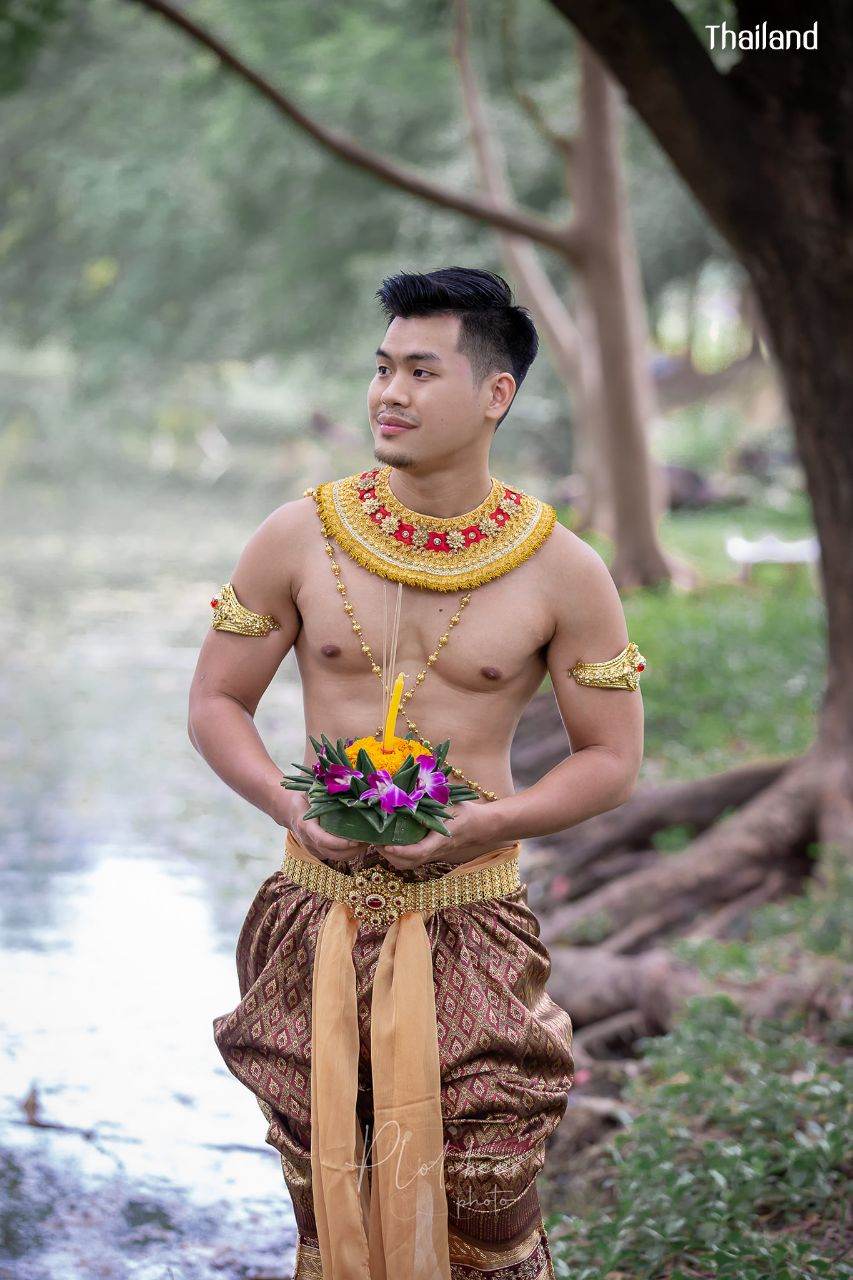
330	650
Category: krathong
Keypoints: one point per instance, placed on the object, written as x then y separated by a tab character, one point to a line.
386	790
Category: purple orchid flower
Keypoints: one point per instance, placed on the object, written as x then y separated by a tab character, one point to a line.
338	777
431	781
389	795
320	765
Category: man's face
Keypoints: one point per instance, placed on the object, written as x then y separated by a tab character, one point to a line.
425	384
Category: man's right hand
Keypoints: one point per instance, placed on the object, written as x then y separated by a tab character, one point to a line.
310	834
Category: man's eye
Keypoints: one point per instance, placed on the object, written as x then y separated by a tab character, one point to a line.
426	371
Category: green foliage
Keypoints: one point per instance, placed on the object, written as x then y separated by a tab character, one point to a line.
737	1160
736	670
814	922
593	929
196	224
673	839
25	25
820	918
739	1138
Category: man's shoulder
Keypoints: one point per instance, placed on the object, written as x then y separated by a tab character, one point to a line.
292	518
565	554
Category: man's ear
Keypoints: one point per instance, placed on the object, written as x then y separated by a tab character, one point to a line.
503	393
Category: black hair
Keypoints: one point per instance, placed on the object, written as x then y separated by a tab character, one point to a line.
493	333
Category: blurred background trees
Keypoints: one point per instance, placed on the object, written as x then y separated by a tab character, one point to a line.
165	231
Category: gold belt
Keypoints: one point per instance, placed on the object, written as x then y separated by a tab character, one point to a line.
378	895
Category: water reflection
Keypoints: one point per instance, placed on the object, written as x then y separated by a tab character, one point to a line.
127	868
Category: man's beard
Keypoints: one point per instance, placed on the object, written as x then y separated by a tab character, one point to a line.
389	456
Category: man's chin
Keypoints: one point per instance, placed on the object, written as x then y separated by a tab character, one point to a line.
391	457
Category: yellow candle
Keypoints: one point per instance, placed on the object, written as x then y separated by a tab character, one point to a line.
391	718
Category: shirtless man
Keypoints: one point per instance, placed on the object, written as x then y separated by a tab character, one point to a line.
556	609
432	414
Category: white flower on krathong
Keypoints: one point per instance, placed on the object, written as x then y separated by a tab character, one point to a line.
455	540
389	524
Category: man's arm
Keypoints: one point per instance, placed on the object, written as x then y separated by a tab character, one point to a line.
234	671
605	726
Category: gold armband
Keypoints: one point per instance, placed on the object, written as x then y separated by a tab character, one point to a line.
230	615
621	672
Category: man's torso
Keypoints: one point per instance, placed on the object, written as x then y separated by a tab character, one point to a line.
489	669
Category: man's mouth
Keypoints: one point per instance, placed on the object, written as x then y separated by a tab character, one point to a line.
393	426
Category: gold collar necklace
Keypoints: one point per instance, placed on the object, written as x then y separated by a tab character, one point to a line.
440	554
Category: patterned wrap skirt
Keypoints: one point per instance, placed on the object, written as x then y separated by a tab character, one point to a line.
504	1050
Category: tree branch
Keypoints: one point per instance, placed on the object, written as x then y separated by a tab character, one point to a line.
551	313
696	115
563	143
515	221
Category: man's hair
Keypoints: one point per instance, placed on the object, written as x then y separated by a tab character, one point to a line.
493	333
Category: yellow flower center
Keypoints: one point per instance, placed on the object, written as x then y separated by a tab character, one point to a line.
400	748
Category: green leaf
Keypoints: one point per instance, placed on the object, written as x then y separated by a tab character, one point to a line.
334	753
364	762
459	792
406	773
373	816
403	829
349	824
320	811
430	820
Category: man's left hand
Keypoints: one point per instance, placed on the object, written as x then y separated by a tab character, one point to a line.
471	833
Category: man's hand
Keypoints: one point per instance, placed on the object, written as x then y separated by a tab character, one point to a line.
309	832
471	833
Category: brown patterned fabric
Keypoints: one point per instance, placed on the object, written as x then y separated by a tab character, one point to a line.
529	1261
504	1050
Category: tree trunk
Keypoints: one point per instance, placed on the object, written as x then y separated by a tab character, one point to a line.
591	428
610	277
809	313
767	149
611	385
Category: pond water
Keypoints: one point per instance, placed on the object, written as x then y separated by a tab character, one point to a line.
127	867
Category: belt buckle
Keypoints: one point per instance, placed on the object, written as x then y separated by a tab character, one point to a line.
377	896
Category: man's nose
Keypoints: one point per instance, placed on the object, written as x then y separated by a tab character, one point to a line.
391	394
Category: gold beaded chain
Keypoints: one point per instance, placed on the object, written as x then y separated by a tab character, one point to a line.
374	666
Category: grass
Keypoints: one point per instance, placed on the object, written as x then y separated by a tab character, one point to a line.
735	1167
735	670
737	1163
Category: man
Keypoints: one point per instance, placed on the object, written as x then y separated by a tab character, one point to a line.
430	1025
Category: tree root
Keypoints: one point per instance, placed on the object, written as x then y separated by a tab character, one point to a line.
697	804
726	862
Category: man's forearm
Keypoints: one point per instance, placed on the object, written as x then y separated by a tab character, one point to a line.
224	733
589	782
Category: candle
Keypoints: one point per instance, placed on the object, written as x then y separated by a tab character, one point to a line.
394	707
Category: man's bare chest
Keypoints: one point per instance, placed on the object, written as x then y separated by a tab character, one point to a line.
495	643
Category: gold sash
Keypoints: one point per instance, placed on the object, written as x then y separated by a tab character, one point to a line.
398	1229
